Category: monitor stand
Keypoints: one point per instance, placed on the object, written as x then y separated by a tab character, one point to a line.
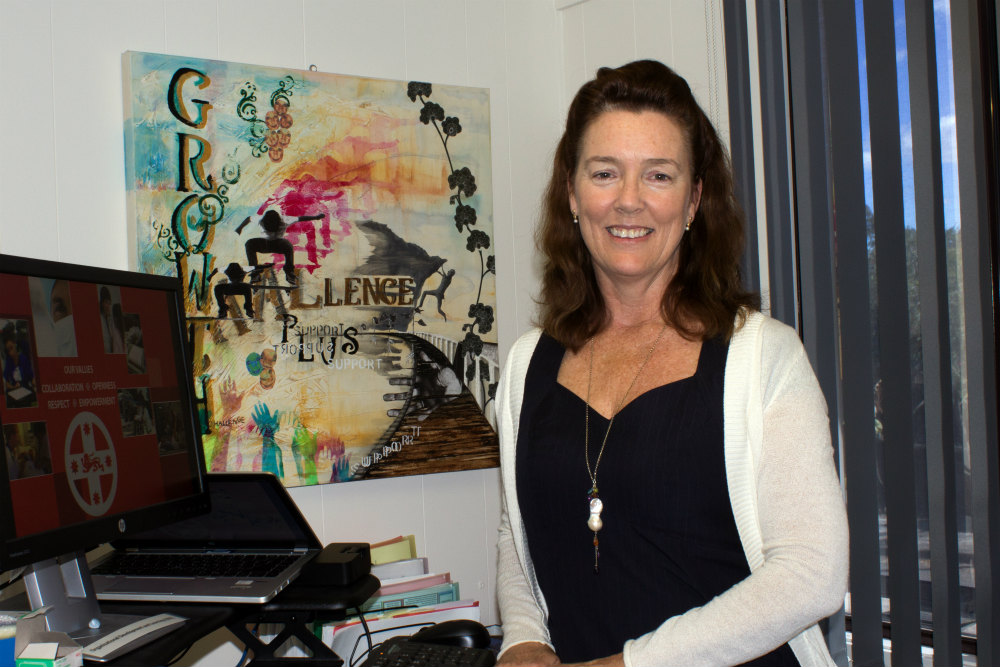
63	585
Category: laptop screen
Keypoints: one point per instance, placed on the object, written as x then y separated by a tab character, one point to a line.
248	509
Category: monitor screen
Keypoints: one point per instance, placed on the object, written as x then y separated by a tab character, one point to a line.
97	418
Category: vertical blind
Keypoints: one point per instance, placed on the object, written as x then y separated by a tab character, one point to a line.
882	250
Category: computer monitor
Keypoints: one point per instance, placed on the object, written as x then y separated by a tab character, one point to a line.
98	424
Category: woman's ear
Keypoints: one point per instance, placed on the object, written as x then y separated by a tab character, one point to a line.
695	198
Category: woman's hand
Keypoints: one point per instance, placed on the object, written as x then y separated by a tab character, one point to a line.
529	654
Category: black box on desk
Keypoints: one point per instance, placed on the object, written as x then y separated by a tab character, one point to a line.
339	564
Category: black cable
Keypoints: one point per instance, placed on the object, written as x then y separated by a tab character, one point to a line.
353	661
364	624
357	660
246	650
188	648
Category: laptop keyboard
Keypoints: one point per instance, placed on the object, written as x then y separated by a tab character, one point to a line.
195	565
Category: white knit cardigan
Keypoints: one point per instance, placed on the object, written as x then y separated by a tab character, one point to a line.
786	500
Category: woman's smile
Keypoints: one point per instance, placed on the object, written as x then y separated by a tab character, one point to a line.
629	232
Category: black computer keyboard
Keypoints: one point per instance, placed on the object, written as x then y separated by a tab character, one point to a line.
399	652
195	565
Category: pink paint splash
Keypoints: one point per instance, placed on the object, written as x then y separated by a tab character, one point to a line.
322	188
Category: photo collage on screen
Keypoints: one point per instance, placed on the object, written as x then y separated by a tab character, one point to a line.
47	328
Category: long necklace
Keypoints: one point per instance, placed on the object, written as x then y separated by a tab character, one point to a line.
594	501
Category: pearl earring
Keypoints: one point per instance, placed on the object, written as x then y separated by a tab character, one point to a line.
576	218
687	227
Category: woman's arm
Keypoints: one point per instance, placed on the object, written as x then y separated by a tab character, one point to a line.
520	612
523	620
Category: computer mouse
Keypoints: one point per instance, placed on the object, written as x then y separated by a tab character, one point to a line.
458	632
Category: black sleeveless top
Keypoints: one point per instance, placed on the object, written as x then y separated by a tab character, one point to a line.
669	541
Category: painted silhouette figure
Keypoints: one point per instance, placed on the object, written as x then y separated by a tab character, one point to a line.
235	287
274	242
438	292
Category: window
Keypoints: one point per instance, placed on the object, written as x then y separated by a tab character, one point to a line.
878	168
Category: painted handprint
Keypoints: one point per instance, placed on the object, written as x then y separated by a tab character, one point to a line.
268	425
231	398
304	451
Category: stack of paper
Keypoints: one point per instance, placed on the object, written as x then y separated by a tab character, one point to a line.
397	569
395	549
405	577
413	592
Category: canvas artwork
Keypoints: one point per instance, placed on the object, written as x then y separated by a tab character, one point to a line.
334	238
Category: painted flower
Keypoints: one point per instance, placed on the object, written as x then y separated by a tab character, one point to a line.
276	153
285	120
483	315
280	106
417	89
477	239
462	180
431	111
451	126
472	344
272	138
284	138
465	216
272	120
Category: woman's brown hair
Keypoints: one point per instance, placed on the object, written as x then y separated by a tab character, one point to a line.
707	292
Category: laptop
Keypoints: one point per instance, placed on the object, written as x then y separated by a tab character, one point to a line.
253	525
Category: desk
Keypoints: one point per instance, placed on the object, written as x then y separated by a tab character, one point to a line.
293	608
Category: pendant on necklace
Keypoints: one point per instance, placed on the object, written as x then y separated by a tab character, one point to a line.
594	522
596	507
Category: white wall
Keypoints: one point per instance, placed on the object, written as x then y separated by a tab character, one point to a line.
62	174
686	35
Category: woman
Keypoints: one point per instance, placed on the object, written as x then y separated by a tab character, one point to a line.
669	490
17	371
111	326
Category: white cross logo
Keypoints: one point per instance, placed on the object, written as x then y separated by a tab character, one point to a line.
91	464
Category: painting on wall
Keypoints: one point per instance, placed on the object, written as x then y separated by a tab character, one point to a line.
333	235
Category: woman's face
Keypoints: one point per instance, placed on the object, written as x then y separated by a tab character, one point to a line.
634	192
59	302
